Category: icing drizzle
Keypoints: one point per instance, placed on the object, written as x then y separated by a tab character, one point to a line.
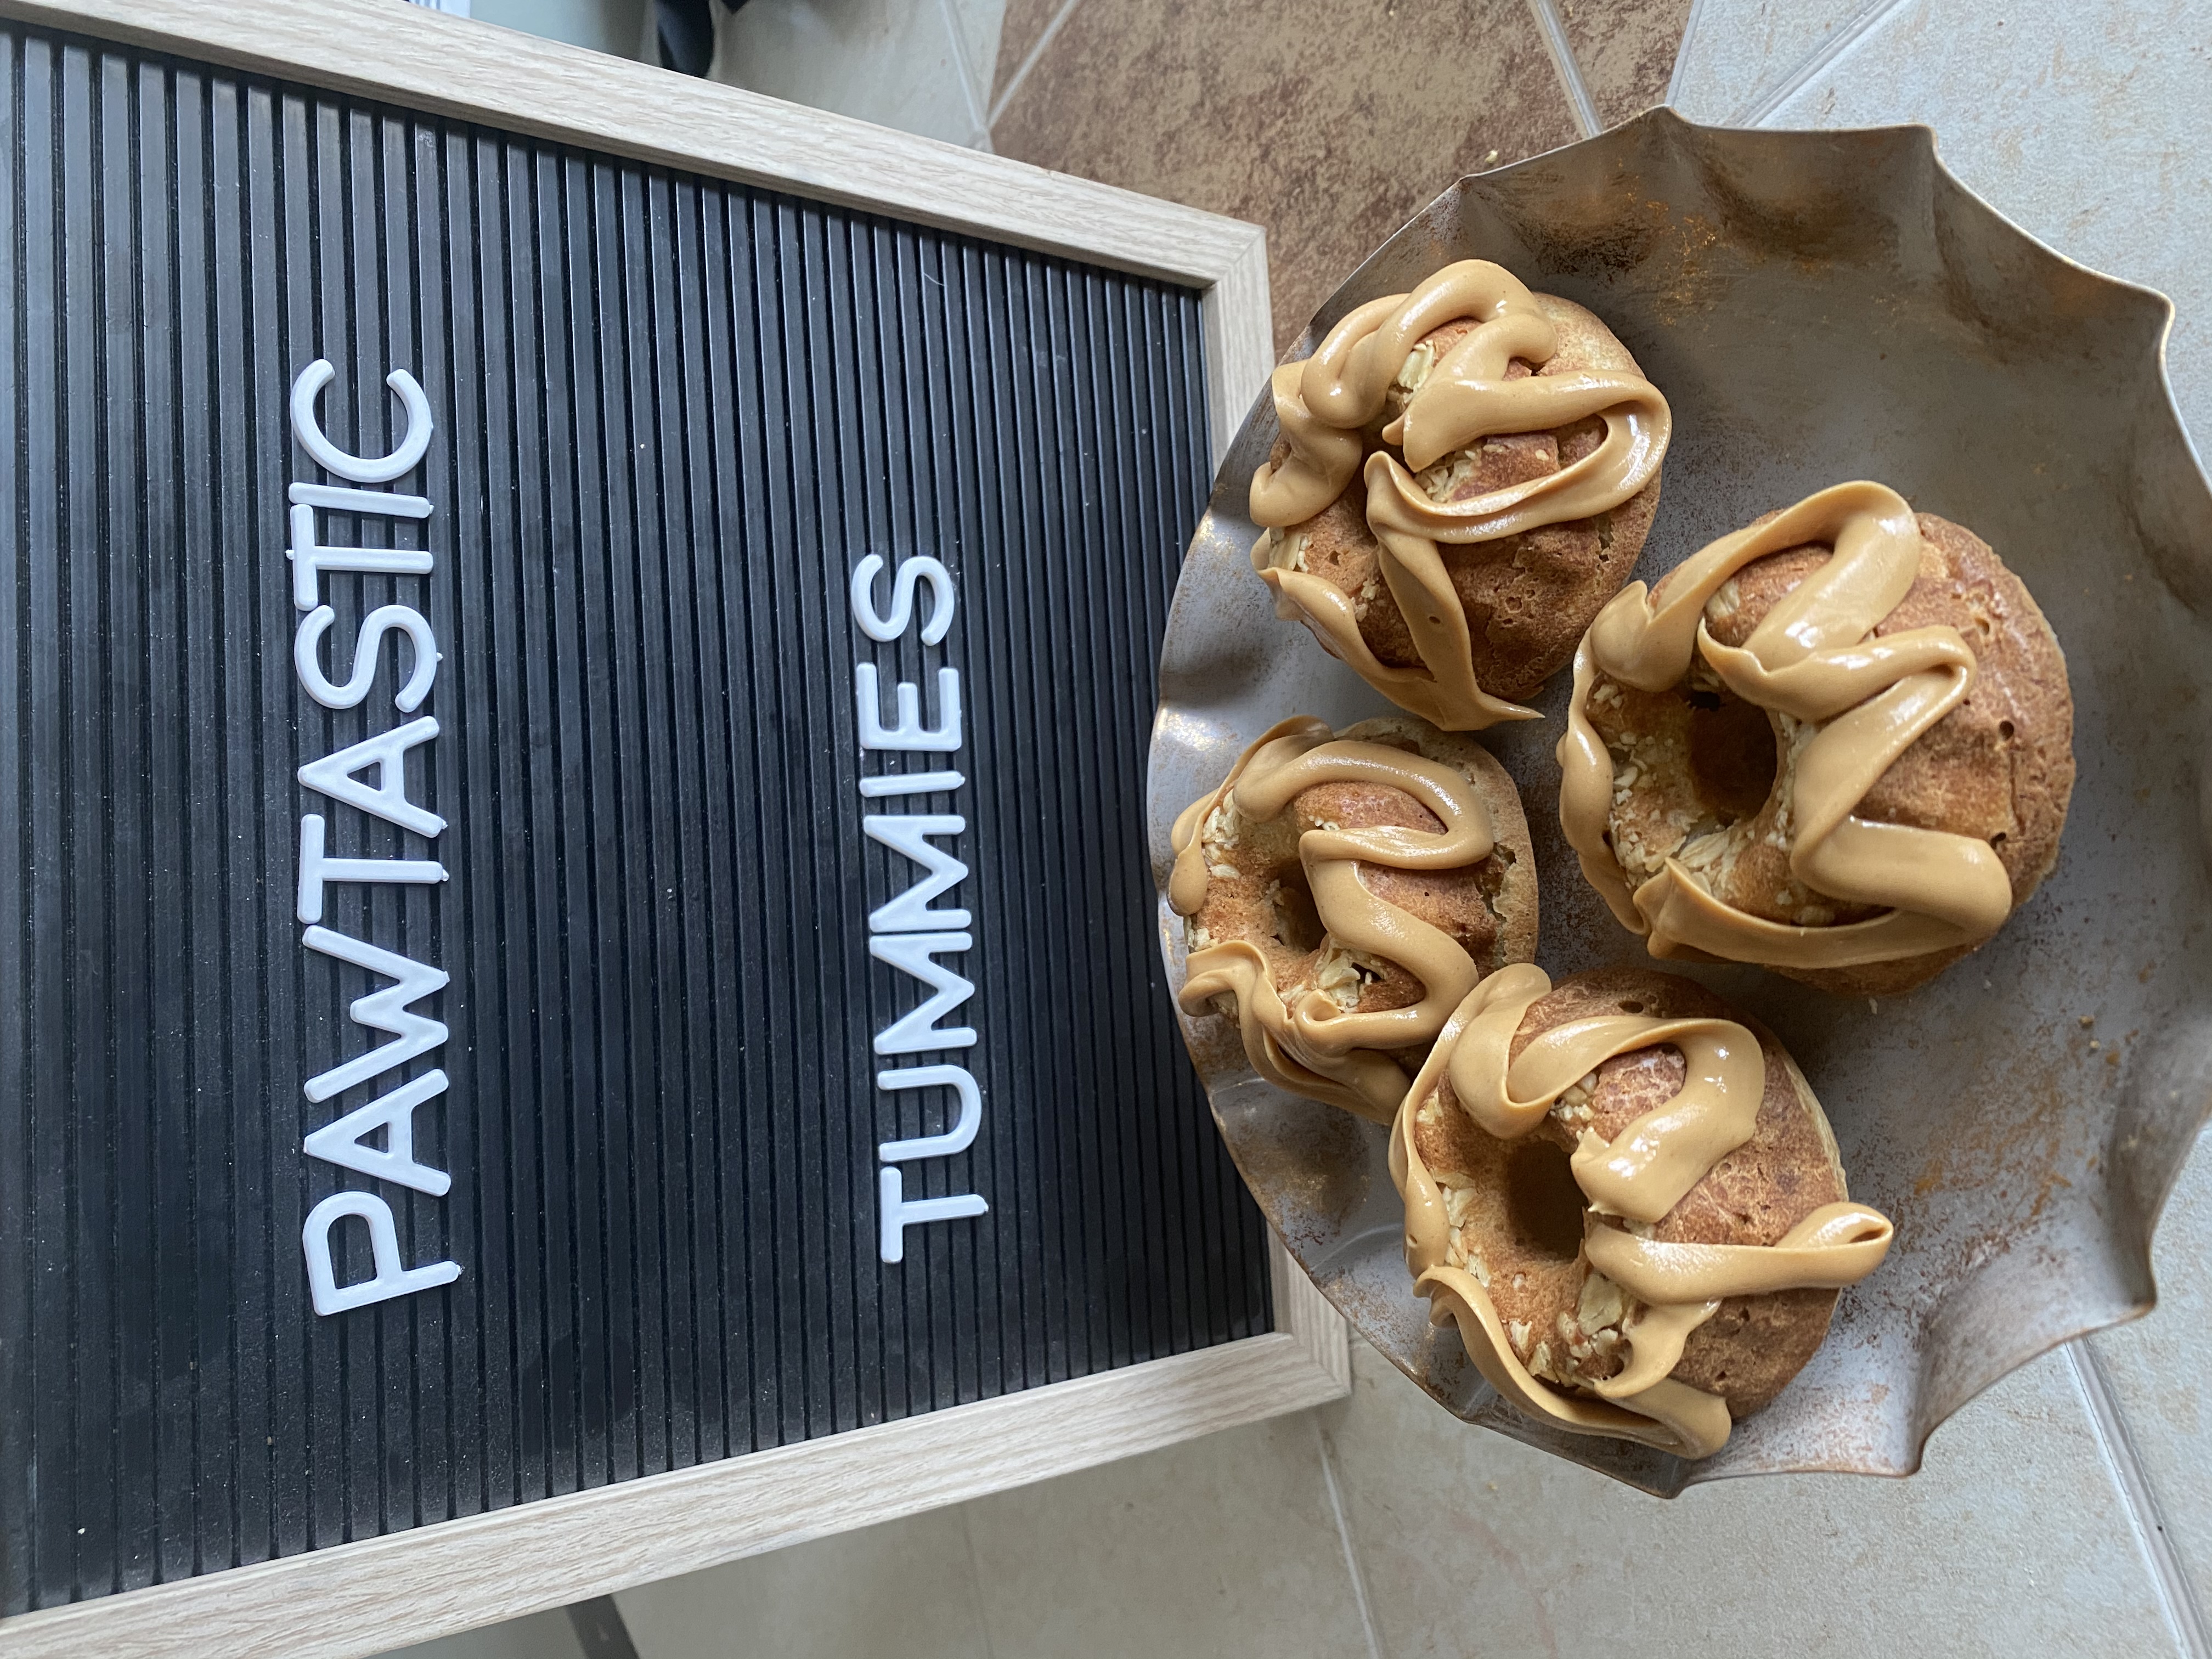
1326	405
1307	1043
1811	657
1641	1173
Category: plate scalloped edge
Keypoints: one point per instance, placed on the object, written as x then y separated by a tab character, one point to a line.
1821	305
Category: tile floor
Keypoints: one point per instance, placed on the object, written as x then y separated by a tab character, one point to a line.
922	66
2062	1511
1298	115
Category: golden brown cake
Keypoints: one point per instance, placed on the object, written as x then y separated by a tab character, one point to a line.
1343	891
1629	1201
1466	474
1837	743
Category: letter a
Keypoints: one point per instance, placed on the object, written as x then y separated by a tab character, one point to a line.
341	1143
333	776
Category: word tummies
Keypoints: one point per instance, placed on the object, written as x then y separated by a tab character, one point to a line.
339	778
905	932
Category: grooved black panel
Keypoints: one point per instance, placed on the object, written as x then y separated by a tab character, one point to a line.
671	414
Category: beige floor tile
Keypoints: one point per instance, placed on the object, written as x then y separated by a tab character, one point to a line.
1331	122
1739	52
610	26
1626	50
541	1636
2012	1540
2089	125
897	63
1221	1547
904	1588
2156	1368
975	25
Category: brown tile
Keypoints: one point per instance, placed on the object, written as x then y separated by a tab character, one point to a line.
1331	122
1026	20
1626	50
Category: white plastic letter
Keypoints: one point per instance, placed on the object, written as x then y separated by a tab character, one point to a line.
390	1279
910	783
315	869
328	456
900	1212
341	499
310	559
341	1143
909	835
385	619
388	1010
960	1136
333	776
878	626
909	733
917	1032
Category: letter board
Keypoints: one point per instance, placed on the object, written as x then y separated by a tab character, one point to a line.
605	634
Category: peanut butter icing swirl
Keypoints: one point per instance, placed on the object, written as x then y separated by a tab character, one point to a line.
1813	657
1640	1175
1327	404
1308	1042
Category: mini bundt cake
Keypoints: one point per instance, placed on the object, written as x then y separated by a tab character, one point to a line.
1838	742
1466	474
1628	1199
1343	891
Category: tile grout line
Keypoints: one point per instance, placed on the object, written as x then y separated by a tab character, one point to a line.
958	42
2176	1598
1821	57
1682	52
1579	102
1344	1537
1029	61
975	1581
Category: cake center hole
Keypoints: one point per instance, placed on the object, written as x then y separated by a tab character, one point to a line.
1298	923
1732	757
1543	1206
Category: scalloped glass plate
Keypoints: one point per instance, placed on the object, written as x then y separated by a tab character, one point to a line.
1818	307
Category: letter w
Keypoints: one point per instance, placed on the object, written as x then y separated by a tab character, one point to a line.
909	835
917	1032
387	1010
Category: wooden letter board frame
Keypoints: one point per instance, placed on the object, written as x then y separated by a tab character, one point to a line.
383	1592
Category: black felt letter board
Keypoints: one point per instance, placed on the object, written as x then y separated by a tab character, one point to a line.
669	417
